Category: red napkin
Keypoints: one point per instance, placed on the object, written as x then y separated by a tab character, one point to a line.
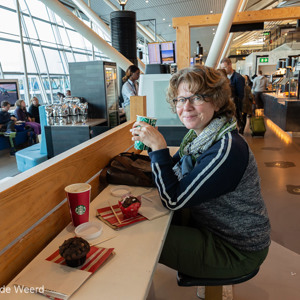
94	259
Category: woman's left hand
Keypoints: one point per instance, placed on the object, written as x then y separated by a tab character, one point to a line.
148	135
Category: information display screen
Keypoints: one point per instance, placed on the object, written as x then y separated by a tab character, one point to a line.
167	52
154	53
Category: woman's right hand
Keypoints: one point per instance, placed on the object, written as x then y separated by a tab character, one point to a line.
149	135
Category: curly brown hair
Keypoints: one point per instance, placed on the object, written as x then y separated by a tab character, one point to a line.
206	81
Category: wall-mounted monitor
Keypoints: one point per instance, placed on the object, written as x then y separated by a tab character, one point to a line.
9	90
154	53
167	52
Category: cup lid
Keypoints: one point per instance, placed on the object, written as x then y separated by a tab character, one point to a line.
89	230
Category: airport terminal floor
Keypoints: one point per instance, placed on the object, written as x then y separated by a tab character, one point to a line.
278	162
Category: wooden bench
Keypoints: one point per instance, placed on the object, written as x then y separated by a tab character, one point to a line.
34	208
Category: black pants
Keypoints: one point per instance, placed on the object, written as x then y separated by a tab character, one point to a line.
199	253
258	100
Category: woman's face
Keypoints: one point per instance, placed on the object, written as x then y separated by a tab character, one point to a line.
35	101
192	116
135	76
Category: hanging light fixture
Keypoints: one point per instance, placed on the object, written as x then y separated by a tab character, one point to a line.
122	3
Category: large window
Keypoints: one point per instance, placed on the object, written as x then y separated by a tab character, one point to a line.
49	45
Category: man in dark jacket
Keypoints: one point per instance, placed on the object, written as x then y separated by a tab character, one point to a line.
237	83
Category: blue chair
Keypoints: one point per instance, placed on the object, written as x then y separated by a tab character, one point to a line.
35	154
213	286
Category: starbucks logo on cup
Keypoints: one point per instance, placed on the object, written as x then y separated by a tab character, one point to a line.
80	210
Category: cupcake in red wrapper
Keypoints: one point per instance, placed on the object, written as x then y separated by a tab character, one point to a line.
129	206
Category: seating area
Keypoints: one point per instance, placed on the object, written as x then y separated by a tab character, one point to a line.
21	138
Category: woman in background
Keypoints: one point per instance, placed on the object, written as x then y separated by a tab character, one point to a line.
130	87
22	115
34	109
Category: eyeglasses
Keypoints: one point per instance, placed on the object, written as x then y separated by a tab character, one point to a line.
194	100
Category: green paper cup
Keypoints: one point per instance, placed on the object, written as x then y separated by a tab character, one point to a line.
152	121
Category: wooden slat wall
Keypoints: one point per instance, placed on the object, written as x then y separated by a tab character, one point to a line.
183	25
26	202
266	15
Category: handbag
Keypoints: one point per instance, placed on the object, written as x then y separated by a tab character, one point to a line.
127	168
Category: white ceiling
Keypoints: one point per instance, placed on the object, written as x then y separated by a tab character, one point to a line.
159	10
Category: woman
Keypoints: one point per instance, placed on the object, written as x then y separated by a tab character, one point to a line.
34	109
212	179
22	115
130	87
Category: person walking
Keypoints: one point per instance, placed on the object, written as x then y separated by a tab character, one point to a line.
260	84
130	87
237	84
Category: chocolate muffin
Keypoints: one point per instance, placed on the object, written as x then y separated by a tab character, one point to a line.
74	251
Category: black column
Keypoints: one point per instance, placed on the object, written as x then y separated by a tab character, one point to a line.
123	37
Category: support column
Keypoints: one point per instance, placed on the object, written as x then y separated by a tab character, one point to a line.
26	86
222	32
183	43
242	7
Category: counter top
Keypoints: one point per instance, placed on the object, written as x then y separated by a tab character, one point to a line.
89	122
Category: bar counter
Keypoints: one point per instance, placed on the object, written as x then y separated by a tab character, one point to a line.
283	111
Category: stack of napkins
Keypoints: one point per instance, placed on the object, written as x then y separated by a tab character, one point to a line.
152	207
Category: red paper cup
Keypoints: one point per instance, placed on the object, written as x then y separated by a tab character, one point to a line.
78	195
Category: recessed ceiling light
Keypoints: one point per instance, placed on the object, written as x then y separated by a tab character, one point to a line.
147	1
214	33
213	29
211	11
164	19
169	25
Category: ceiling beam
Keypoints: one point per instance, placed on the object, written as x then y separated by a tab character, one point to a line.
275	14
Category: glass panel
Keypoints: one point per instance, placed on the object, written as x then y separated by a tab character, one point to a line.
76	39
10	57
81	57
30	28
53	61
64	36
40	59
9	21
70	57
8	3
29	60
37	8
44	31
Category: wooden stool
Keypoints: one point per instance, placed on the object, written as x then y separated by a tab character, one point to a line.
213	286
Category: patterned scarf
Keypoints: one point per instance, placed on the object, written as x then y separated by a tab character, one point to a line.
193	146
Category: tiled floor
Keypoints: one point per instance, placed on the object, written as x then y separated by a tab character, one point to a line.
278	278
8	164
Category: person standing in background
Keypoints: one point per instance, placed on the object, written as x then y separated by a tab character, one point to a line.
260	84
34	109
130	87
68	93
237	84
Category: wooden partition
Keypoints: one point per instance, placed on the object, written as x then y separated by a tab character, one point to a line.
34	207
